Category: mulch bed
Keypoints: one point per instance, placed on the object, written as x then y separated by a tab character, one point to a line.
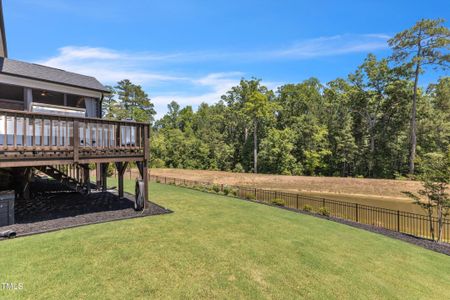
60	210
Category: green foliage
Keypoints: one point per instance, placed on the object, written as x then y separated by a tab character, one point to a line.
324	211
434	197
249	196
134	102
424	45
278	202
238	168
307	208
226	190
216	188
358	126
110	171
277	153
128	101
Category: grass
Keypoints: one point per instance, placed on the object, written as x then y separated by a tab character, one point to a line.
375	192
219	247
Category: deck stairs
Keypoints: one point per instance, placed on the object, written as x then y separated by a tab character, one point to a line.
69	176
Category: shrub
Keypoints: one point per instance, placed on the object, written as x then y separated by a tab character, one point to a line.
226	190
324	211
234	192
307	208
158	181
157	163
278	202
216	188
238	168
110	170
249	196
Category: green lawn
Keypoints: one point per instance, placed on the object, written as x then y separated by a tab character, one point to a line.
219	247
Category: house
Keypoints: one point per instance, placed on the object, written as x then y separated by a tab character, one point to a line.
51	123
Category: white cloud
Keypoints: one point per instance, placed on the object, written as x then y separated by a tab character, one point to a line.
111	66
108	65
144	68
332	45
215	84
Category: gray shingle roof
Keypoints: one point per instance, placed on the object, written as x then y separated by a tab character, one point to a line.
39	72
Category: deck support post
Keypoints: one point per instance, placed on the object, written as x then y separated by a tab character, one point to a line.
104	170
143	170
87	178
28	178
22	180
98	176
121	167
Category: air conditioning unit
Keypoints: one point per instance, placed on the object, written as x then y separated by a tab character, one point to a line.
7	208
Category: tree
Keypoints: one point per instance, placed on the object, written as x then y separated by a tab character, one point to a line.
434	196
109	104
340	127
276	153
433	120
170	119
238	124
136	104
422	45
258	108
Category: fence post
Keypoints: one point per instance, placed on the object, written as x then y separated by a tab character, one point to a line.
165	180
323	202
255	194
357	213
398	220
297	201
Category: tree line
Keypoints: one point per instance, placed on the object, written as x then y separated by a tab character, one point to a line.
378	122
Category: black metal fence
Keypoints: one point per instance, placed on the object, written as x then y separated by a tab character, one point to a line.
396	220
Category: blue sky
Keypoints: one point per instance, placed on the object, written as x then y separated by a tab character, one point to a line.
193	51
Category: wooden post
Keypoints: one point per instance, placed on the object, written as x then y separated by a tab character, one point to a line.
121	167
98	176
87	178
143	170
22	179
28	178
104	169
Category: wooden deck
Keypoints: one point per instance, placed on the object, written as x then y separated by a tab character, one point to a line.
36	139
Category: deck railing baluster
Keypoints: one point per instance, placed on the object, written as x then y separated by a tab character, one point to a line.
15	132
5	133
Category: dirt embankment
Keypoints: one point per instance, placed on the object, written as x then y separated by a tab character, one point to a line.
377	192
